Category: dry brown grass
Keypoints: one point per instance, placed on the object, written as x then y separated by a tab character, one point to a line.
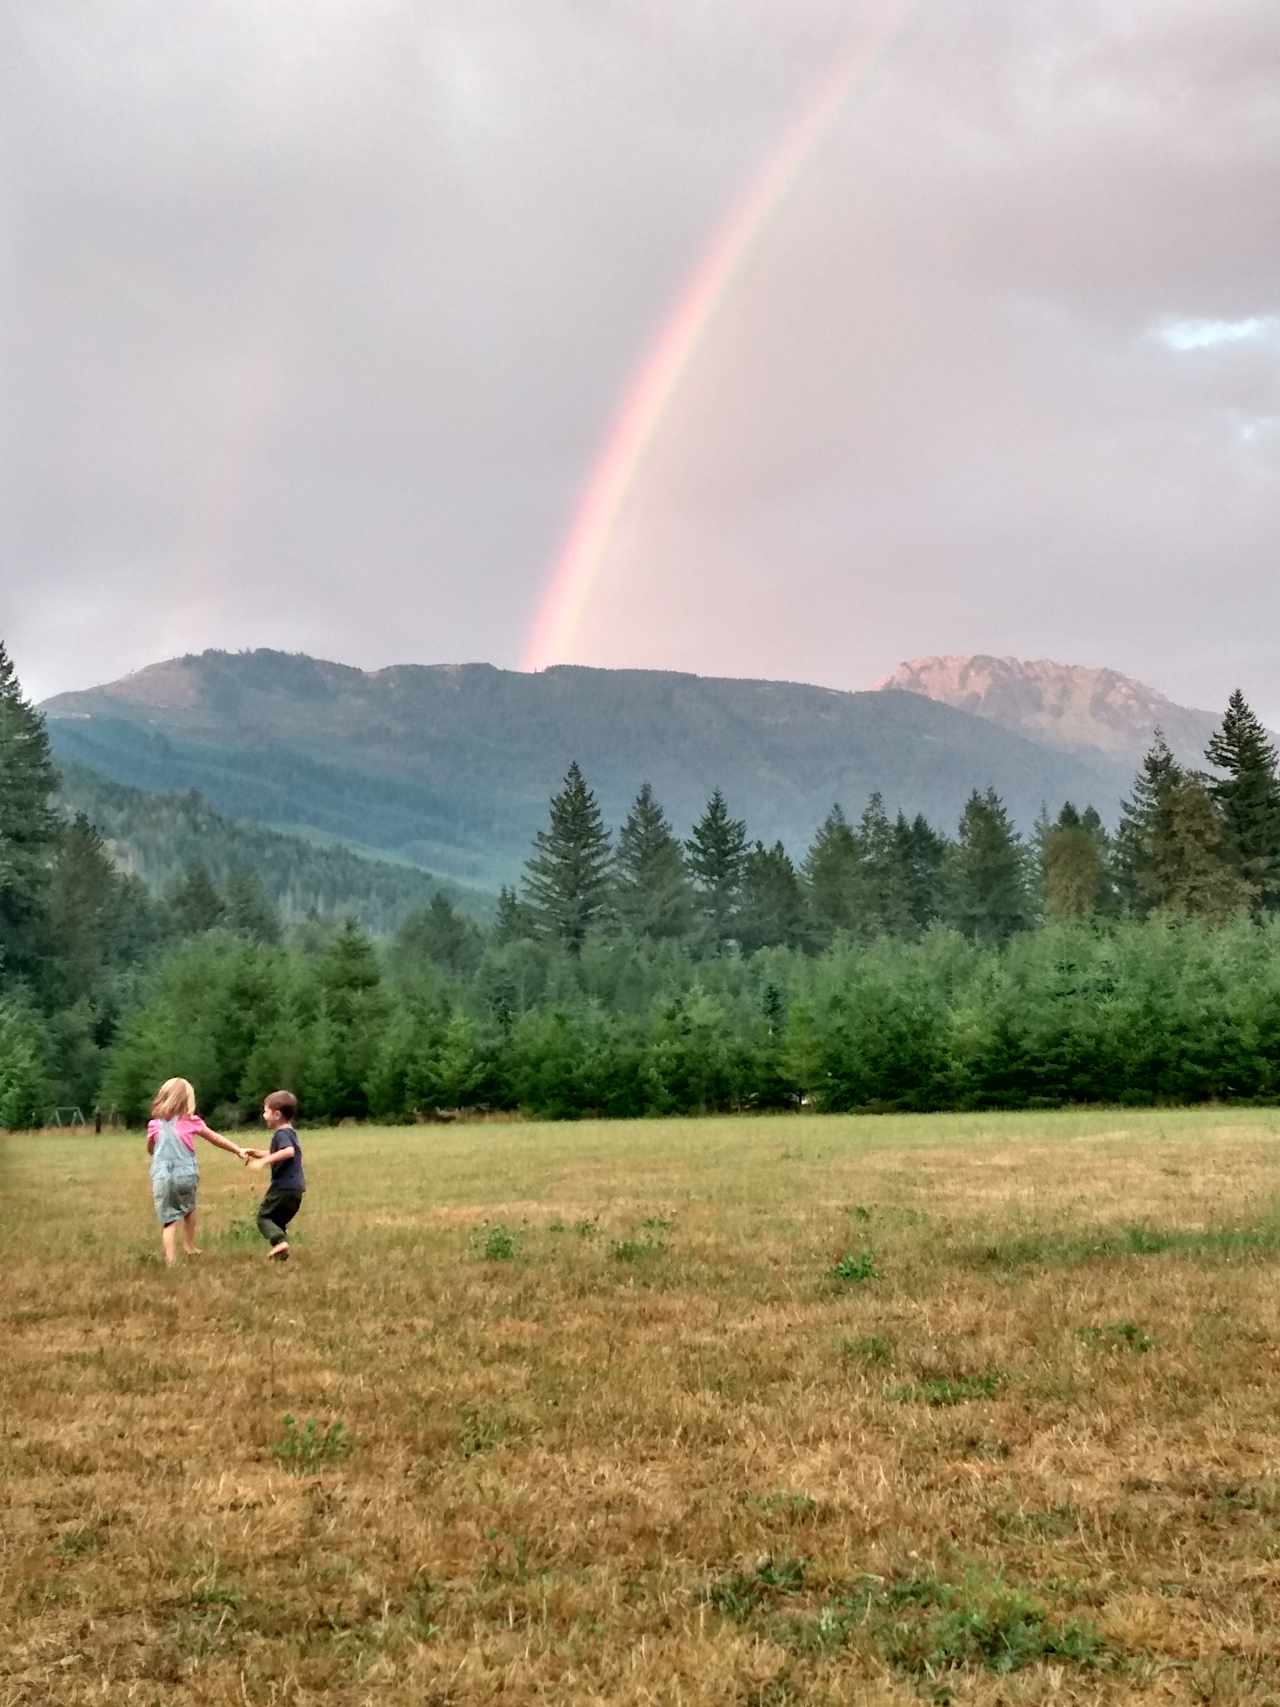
674	1463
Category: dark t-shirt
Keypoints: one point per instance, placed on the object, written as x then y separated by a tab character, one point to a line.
288	1176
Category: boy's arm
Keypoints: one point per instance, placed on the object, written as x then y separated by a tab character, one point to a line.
274	1156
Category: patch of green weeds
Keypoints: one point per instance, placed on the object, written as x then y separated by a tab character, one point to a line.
1118	1336
80	1542
495	1242
940	1390
875	1349
739	1594
656	1224
636	1250
241	1232
929	1628
313	1443
1042	1248
587	1228
480	1431
854	1268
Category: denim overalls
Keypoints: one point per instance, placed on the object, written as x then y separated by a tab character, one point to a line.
174	1175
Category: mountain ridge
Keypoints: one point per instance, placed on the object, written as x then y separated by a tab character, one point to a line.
1075	707
451	766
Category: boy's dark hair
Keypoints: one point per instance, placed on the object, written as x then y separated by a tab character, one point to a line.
284	1102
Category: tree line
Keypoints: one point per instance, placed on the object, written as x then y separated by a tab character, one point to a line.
894	967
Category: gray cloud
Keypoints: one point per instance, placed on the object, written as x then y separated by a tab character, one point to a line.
317	315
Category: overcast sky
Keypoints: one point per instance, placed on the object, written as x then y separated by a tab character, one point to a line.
316	314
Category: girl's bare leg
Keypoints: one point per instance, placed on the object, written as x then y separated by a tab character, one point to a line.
169	1239
189	1234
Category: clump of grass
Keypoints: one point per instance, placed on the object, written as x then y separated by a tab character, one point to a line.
930	1628
495	1242
940	1390
636	1250
84	1539
739	1594
875	1349
242	1231
480	1430
1045	1248
854	1268
1118	1336
301	1447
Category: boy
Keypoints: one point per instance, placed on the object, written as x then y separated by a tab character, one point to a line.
284	1194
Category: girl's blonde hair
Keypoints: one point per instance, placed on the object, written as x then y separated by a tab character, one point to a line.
175	1097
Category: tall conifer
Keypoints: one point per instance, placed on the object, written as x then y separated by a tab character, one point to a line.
1248	797
988	878
28	827
652	893
717	848
567	877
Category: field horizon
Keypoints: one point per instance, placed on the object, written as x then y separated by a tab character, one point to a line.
787	1409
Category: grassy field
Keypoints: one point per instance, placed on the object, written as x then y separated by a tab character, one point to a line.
753	1412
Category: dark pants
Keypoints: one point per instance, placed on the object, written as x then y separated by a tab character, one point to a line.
275	1212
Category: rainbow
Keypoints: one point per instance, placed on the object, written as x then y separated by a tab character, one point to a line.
657	377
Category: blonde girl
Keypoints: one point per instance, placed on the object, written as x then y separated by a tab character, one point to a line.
171	1143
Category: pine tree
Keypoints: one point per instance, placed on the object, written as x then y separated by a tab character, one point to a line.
513	921
886	883
248	911
771	912
717	849
1248	797
28	827
922	854
1190	871
833	879
567	878
1072	869
1138	818
195	905
652	893
988	876
438	935
85	904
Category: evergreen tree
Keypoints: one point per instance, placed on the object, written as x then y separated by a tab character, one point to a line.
1073	873
28	827
567	878
513	921
438	935
652	894
1190	871
1248	798
771	912
717	850
886	885
85	907
1138	820
988	877
248	912
922	854
833	879
195	905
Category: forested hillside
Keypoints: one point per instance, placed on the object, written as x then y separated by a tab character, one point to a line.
159	837
451	767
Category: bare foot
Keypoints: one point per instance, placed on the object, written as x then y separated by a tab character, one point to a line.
278	1253
193	1251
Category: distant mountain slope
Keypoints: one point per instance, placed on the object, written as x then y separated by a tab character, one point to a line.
452	766
157	835
1069	706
